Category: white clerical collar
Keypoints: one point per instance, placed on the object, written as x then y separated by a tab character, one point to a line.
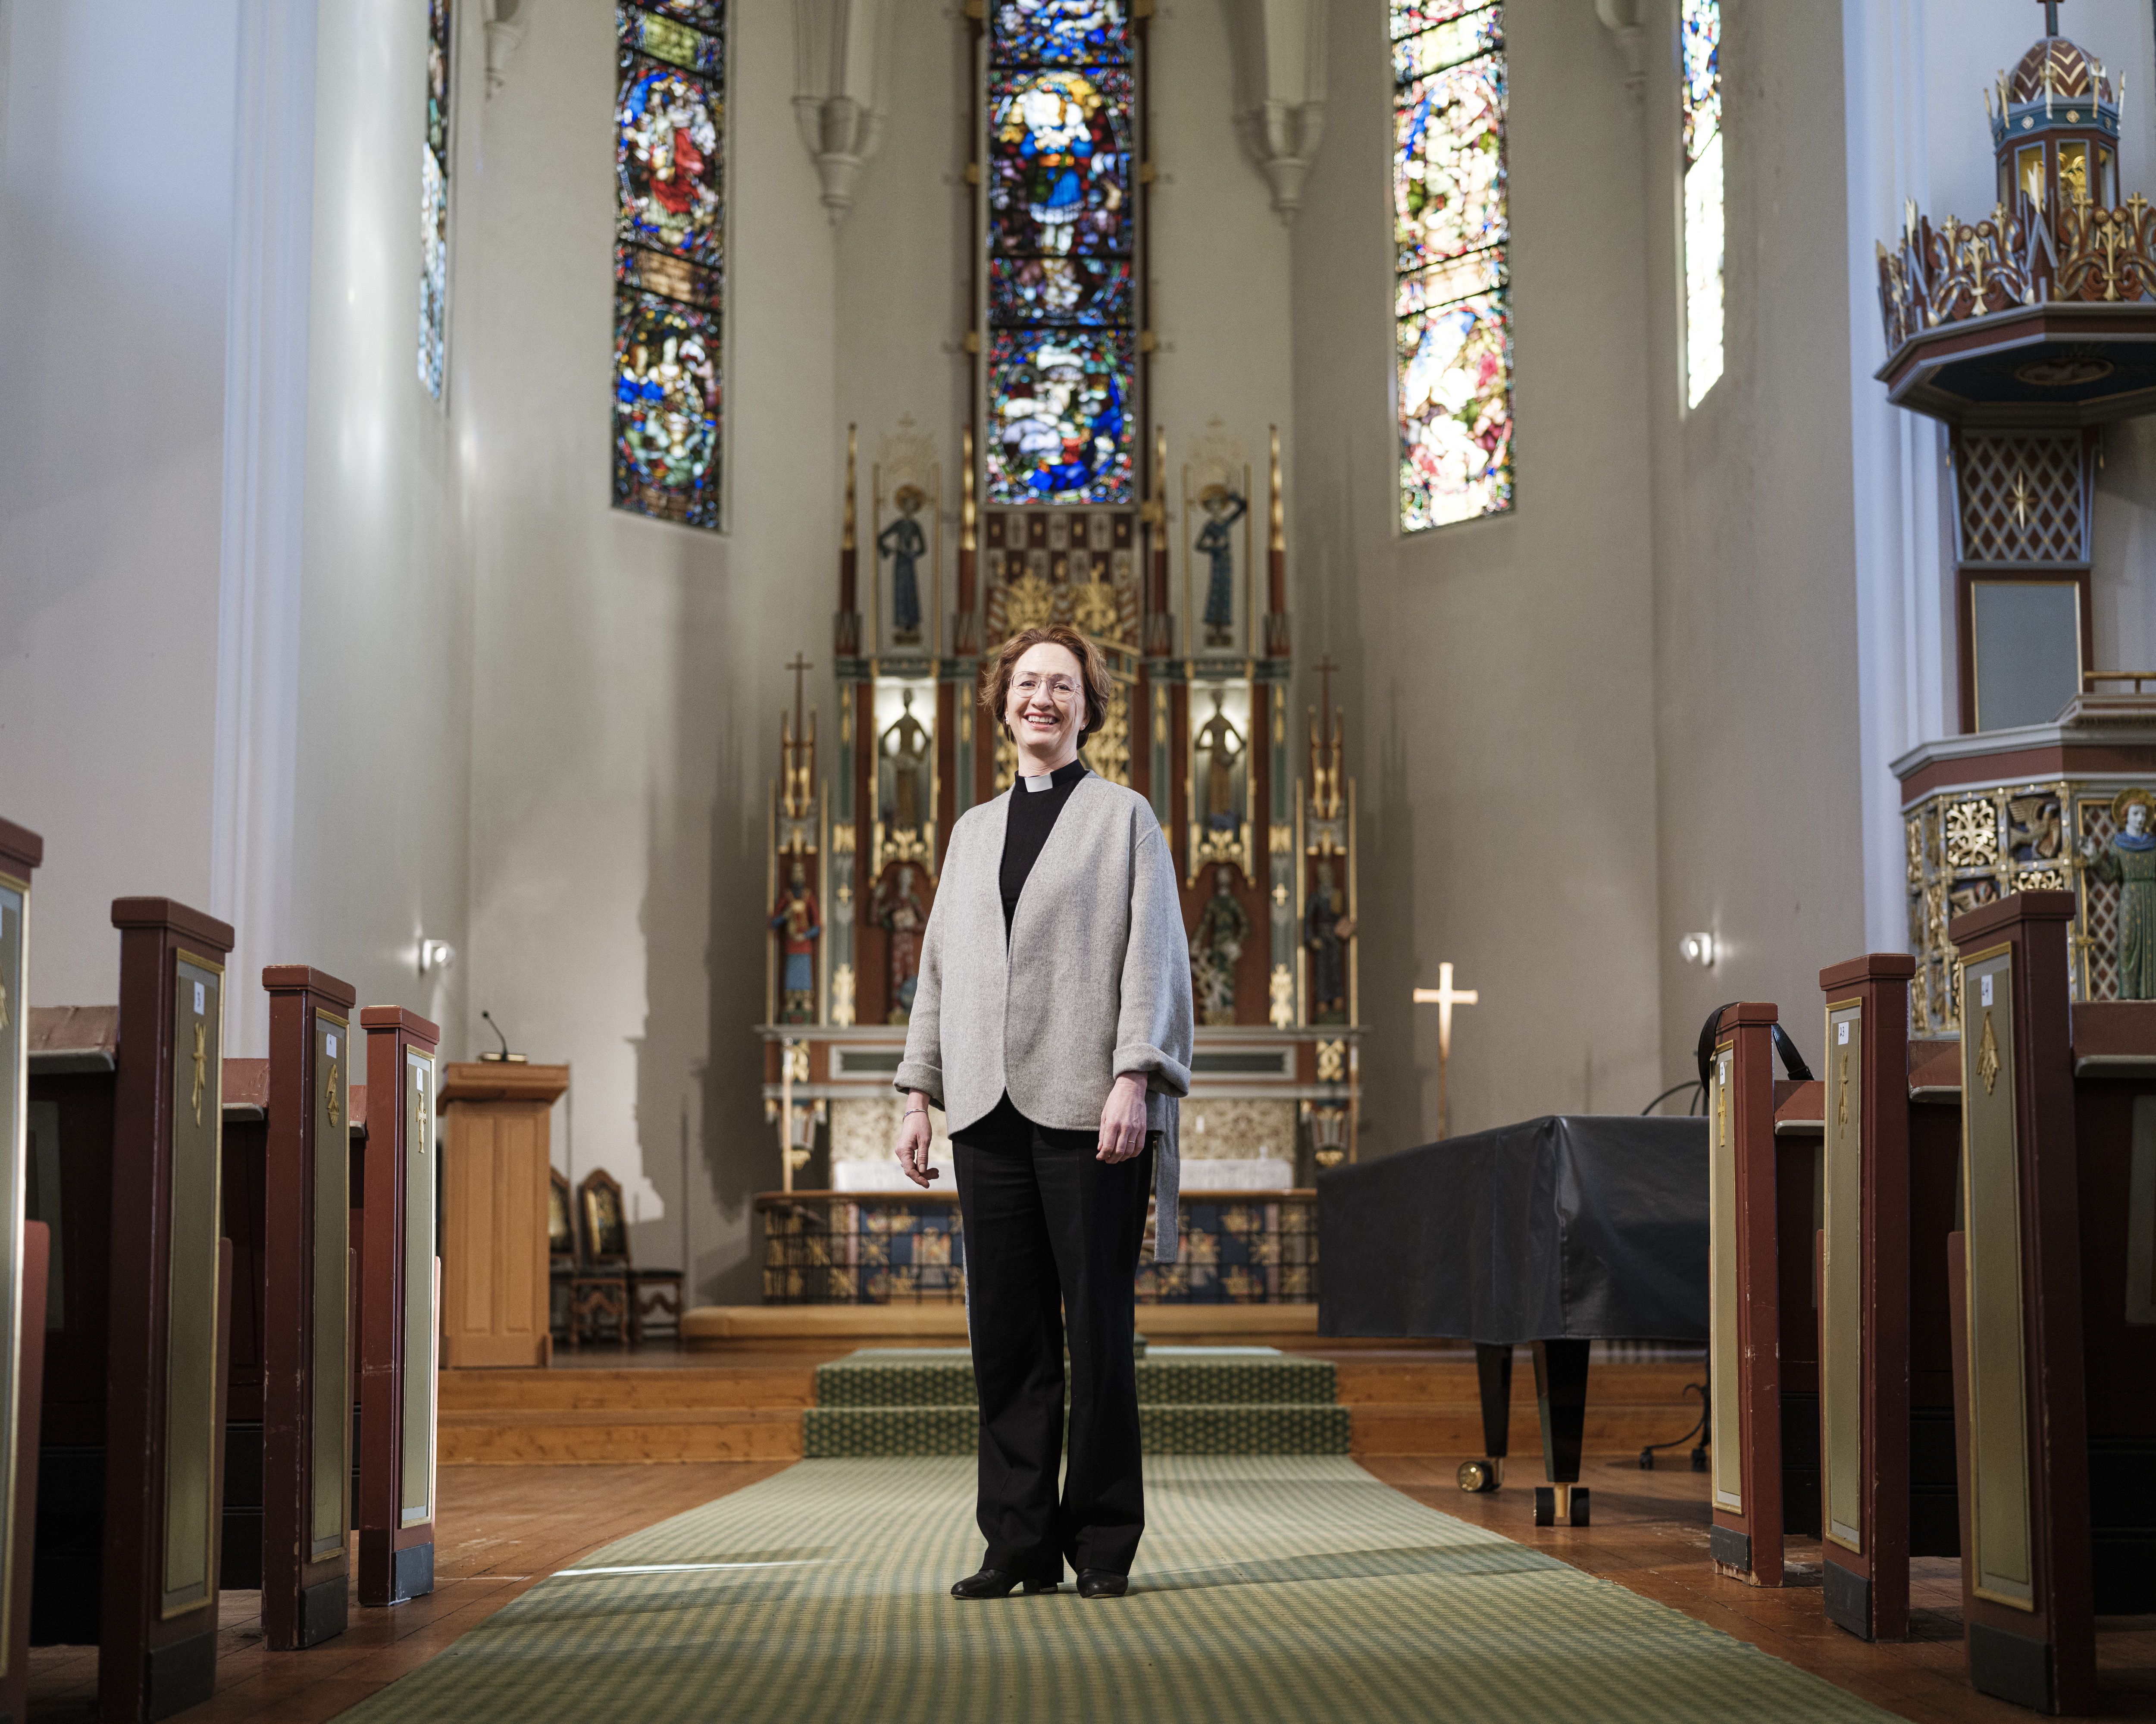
1046	781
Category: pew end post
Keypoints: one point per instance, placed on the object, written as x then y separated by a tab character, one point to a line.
398	1324
2026	1589
1743	1346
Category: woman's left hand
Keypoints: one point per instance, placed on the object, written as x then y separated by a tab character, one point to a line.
1123	1119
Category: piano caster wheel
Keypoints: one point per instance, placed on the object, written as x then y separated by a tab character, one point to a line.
1569	1511
1480	1475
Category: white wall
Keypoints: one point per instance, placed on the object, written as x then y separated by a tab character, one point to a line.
115	238
1501	680
1756	621
626	673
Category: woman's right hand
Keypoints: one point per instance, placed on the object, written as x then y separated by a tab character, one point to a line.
914	1139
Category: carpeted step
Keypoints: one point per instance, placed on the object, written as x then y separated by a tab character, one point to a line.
1240	1427
929	1377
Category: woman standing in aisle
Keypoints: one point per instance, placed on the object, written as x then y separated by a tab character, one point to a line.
1052	1023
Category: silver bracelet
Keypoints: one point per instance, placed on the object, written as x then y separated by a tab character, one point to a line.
911	1112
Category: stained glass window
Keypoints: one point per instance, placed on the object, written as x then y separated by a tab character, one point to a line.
1700	23
434	204
670	257
1451	292
1061	243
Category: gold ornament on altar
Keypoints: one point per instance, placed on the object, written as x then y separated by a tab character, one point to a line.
1028	603
330	1091
1098	610
1987	1055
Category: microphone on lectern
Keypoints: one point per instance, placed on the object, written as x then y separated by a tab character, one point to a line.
505	1057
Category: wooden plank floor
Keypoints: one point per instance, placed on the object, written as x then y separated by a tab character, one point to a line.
1649	1535
501	1531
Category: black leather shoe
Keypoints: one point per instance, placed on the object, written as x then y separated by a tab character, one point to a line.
995	1583
1100	1583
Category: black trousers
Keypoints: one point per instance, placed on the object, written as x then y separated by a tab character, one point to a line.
1052	1237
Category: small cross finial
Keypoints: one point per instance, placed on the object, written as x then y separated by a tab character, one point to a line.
2050	16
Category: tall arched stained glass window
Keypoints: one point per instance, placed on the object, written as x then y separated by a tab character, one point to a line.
434	204
1700	23
1450	228
670	257
1062	237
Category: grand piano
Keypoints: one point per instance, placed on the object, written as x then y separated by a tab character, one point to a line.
1555	1232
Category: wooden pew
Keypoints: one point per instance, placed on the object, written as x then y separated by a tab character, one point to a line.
399	1281
127	1106
1762	1354
1891	1122
245	1160
307	1395
167	1316
2020	1395
22	1271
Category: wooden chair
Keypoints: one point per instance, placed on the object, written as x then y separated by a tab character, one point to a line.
652	1292
587	1297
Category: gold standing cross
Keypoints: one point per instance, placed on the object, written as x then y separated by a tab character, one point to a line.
1445	997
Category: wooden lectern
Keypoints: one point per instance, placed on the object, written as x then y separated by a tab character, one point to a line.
22	1269
495	1254
398	1280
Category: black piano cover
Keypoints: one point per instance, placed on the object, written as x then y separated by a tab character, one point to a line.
1569	1226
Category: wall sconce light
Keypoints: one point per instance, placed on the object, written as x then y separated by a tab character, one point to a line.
1697	949
435	954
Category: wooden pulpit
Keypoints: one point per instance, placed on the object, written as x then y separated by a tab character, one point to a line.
306	1385
495	1254
22	1260
400	1282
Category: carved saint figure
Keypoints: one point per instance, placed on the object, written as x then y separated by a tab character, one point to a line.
1216	543
897	911
2129	862
800	924
905	747
904	542
1221	742
1223	926
1326	928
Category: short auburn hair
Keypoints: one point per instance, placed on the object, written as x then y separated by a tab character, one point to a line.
996	673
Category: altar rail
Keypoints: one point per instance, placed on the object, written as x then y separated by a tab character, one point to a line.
841	1247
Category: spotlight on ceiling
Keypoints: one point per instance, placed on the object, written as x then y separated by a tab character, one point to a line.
1697	949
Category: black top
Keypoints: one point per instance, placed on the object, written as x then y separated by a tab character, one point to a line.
1032	819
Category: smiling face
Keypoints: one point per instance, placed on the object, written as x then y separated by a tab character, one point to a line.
1046	707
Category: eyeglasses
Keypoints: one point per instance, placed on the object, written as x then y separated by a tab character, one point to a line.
1059	688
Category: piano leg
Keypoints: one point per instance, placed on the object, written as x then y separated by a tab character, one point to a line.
1493	1373
1561	1399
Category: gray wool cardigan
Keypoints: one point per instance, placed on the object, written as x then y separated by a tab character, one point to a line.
1101	984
